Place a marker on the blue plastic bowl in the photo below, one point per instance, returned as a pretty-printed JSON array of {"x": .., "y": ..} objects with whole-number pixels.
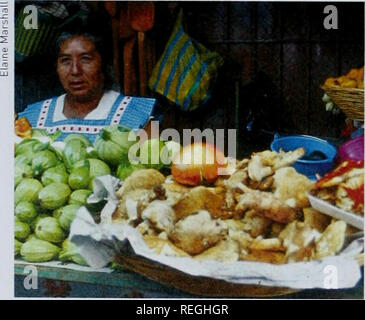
[{"x": 311, "y": 144}]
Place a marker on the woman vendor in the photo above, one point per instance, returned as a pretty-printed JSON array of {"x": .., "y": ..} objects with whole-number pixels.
[{"x": 88, "y": 104}]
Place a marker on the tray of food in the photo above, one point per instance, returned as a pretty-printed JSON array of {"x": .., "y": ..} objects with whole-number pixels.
[{"x": 249, "y": 232}]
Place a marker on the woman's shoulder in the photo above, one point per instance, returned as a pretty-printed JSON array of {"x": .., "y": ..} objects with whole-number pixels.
[
  {"x": 39, "y": 104},
  {"x": 128, "y": 104},
  {"x": 33, "y": 110},
  {"x": 114, "y": 93}
]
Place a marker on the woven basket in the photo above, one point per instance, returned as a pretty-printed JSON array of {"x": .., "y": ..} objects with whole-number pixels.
[
  {"x": 349, "y": 100},
  {"x": 196, "y": 285},
  {"x": 202, "y": 286}
]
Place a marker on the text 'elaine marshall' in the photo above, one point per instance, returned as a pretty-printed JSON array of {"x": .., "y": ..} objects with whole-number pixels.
[{"x": 4, "y": 38}]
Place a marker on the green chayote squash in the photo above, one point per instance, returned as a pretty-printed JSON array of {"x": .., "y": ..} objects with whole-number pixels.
[
  {"x": 43, "y": 135},
  {"x": 113, "y": 143},
  {"x": 27, "y": 190},
  {"x": 75, "y": 150},
  {"x": 43, "y": 160},
  {"x": 17, "y": 247},
  {"x": 54, "y": 195},
  {"x": 79, "y": 178},
  {"x": 57, "y": 147},
  {"x": 36, "y": 250},
  {"x": 97, "y": 168},
  {"x": 33, "y": 224},
  {"x": 91, "y": 153},
  {"x": 125, "y": 169},
  {"x": 55, "y": 174},
  {"x": 56, "y": 213},
  {"x": 70, "y": 252},
  {"x": 78, "y": 136},
  {"x": 22, "y": 171},
  {"x": 49, "y": 229},
  {"x": 25, "y": 211},
  {"x": 23, "y": 159},
  {"x": 150, "y": 153},
  {"x": 31, "y": 236},
  {"x": 27, "y": 146},
  {"x": 21, "y": 230},
  {"x": 67, "y": 215},
  {"x": 79, "y": 197}
]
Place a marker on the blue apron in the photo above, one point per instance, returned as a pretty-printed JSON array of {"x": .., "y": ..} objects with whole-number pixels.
[{"x": 128, "y": 111}]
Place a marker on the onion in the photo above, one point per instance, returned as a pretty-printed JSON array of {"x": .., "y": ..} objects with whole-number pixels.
[{"x": 196, "y": 163}]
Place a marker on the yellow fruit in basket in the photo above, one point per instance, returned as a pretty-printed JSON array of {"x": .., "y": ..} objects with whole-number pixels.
[
  {"x": 352, "y": 74},
  {"x": 360, "y": 75},
  {"x": 360, "y": 84},
  {"x": 330, "y": 82},
  {"x": 341, "y": 79},
  {"x": 349, "y": 83}
]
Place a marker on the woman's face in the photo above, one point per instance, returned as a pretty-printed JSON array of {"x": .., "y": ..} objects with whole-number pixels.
[{"x": 79, "y": 68}]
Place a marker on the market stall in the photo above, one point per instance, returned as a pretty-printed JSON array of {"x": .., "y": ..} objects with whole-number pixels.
[
  {"x": 123, "y": 206},
  {"x": 256, "y": 218}
]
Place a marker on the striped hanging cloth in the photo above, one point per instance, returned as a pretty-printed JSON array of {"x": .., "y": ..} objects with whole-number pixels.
[
  {"x": 51, "y": 18},
  {"x": 29, "y": 42},
  {"x": 186, "y": 70}
]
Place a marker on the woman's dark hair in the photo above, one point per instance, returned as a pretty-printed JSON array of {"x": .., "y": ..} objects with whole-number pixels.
[{"x": 101, "y": 48}]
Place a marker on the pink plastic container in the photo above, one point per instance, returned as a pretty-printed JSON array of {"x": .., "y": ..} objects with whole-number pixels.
[{"x": 352, "y": 149}]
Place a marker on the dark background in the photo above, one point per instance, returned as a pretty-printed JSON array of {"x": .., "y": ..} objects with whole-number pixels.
[{"x": 276, "y": 54}]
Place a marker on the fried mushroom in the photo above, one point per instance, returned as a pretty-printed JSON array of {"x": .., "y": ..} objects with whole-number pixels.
[
  {"x": 141, "y": 179},
  {"x": 197, "y": 232}
]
